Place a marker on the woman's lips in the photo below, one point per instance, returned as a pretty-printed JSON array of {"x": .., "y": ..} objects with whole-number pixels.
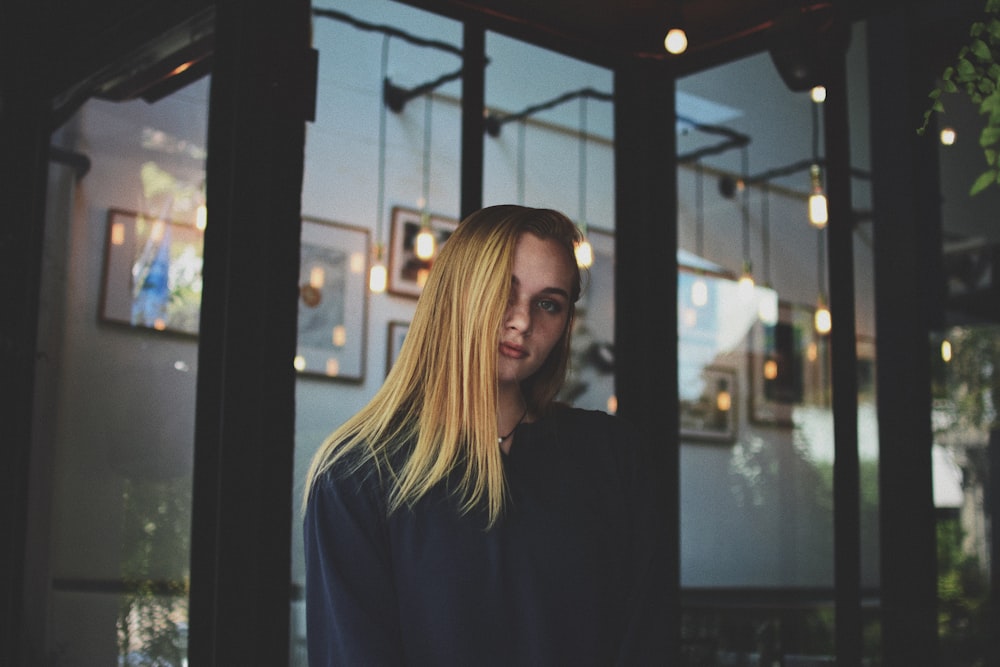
[{"x": 513, "y": 351}]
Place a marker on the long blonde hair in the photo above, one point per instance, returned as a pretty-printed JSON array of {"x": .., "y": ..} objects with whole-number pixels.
[{"x": 441, "y": 394}]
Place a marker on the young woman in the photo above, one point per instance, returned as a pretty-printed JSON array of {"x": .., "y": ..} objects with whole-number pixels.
[{"x": 465, "y": 518}]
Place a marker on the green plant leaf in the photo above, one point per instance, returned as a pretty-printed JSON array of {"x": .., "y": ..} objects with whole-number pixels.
[
  {"x": 991, "y": 156},
  {"x": 994, "y": 29},
  {"x": 989, "y": 136},
  {"x": 981, "y": 51},
  {"x": 984, "y": 181},
  {"x": 948, "y": 86}
]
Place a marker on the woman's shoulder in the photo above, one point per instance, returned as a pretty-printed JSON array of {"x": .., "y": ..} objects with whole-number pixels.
[
  {"x": 593, "y": 422},
  {"x": 355, "y": 473},
  {"x": 596, "y": 432}
]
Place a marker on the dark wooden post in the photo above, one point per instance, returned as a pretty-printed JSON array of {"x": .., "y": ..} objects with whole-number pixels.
[
  {"x": 263, "y": 88},
  {"x": 646, "y": 286},
  {"x": 907, "y": 245}
]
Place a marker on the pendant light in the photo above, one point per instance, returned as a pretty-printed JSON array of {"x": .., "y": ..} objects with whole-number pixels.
[
  {"x": 424, "y": 245},
  {"x": 521, "y": 130},
  {"x": 818, "y": 214},
  {"x": 584, "y": 251},
  {"x": 767, "y": 297},
  {"x": 675, "y": 41},
  {"x": 746, "y": 275},
  {"x": 699, "y": 288},
  {"x": 378, "y": 276},
  {"x": 822, "y": 319}
]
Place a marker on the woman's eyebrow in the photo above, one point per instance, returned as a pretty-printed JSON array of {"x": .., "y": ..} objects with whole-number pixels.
[{"x": 547, "y": 290}]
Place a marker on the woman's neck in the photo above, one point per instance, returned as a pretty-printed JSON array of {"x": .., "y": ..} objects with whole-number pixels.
[{"x": 512, "y": 409}]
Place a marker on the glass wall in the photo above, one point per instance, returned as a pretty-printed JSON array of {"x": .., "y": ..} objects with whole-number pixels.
[
  {"x": 757, "y": 548},
  {"x": 114, "y": 429}
]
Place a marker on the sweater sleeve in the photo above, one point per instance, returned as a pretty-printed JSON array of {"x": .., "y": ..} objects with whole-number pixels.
[{"x": 351, "y": 609}]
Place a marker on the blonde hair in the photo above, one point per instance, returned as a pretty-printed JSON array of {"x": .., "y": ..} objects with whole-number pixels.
[{"x": 440, "y": 398}]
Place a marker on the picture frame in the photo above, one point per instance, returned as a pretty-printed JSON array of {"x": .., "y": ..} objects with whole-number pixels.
[
  {"x": 709, "y": 413},
  {"x": 333, "y": 300},
  {"x": 789, "y": 366},
  {"x": 394, "y": 342},
  {"x": 152, "y": 275},
  {"x": 407, "y": 272}
]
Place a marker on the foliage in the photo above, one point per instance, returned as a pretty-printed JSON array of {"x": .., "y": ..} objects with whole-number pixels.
[
  {"x": 976, "y": 73},
  {"x": 963, "y": 600}
]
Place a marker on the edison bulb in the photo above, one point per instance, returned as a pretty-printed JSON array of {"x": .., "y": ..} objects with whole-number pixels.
[
  {"x": 377, "y": 278},
  {"x": 424, "y": 245},
  {"x": 822, "y": 320},
  {"x": 676, "y": 41},
  {"x": 584, "y": 254}
]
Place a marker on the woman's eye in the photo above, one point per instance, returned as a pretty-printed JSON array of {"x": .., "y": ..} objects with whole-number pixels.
[{"x": 550, "y": 306}]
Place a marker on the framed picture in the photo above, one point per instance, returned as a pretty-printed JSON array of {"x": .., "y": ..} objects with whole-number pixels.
[
  {"x": 397, "y": 334},
  {"x": 152, "y": 273},
  {"x": 708, "y": 409},
  {"x": 788, "y": 366},
  {"x": 333, "y": 300},
  {"x": 407, "y": 272}
]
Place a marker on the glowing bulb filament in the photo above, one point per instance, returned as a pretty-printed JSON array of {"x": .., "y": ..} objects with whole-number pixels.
[
  {"x": 818, "y": 214},
  {"x": 377, "y": 278},
  {"x": 822, "y": 319},
  {"x": 676, "y": 41},
  {"x": 424, "y": 244},
  {"x": 584, "y": 254}
]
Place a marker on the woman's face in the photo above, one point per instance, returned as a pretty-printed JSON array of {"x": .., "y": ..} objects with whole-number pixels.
[{"x": 539, "y": 306}]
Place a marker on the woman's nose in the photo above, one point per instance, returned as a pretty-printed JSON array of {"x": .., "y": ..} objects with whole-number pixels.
[{"x": 518, "y": 317}]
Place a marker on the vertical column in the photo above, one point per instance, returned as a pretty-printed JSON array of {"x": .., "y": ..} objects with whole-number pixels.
[
  {"x": 907, "y": 247},
  {"x": 24, "y": 142},
  {"x": 646, "y": 288},
  {"x": 843, "y": 344},
  {"x": 263, "y": 84},
  {"x": 473, "y": 121}
]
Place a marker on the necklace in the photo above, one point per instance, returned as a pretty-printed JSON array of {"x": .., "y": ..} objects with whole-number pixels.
[{"x": 524, "y": 414}]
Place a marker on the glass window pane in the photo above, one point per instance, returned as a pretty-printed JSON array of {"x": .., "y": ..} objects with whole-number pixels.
[
  {"x": 121, "y": 292},
  {"x": 757, "y": 423}
]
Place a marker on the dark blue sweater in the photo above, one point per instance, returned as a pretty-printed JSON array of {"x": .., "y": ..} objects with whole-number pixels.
[{"x": 570, "y": 575}]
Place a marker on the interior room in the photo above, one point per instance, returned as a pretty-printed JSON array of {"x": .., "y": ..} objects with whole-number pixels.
[{"x": 216, "y": 220}]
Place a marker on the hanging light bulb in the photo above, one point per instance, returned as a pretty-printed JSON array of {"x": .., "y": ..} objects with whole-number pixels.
[
  {"x": 821, "y": 319},
  {"x": 767, "y": 305},
  {"x": 378, "y": 277},
  {"x": 584, "y": 254},
  {"x": 699, "y": 288},
  {"x": 948, "y": 136},
  {"x": 583, "y": 250},
  {"x": 746, "y": 280},
  {"x": 424, "y": 246},
  {"x": 818, "y": 94},
  {"x": 676, "y": 41},
  {"x": 818, "y": 214},
  {"x": 767, "y": 296},
  {"x": 946, "y": 350}
]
